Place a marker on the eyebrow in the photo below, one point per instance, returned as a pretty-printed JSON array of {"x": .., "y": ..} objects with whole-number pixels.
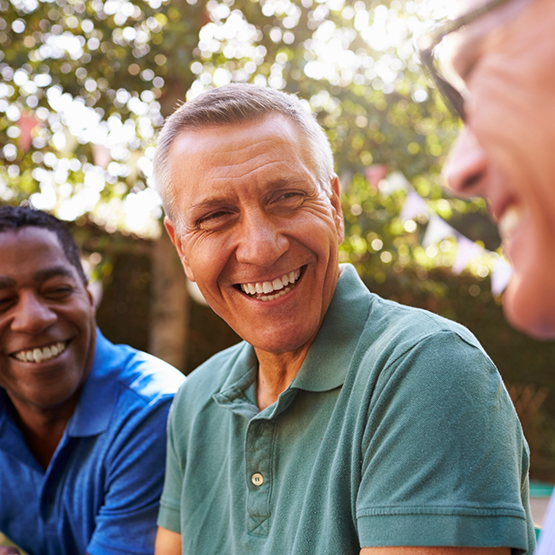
[
  {"x": 53, "y": 271},
  {"x": 39, "y": 276}
]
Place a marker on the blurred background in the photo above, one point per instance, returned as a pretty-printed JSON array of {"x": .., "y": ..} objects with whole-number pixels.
[{"x": 85, "y": 85}]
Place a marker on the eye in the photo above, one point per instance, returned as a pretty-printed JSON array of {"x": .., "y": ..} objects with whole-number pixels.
[
  {"x": 289, "y": 200},
  {"x": 215, "y": 219},
  {"x": 291, "y": 195},
  {"x": 58, "y": 292},
  {"x": 6, "y": 303}
]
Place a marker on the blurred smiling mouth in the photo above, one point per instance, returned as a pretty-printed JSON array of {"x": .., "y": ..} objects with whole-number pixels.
[
  {"x": 270, "y": 290},
  {"x": 509, "y": 221},
  {"x": 43, "y": 354}
]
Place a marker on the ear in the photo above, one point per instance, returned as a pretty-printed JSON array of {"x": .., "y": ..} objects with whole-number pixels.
[
  {"x": 176, "y": 240},
  {"x": 335, "y": 200},
  {"x": 94, "y": 299},
  {"x": 90, "y": 295}
]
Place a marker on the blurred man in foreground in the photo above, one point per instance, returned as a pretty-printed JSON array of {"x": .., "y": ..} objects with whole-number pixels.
[
  {"x": 343, "y": 424},
  {"x": 500, "y": 80},
  {"x": 82, "y": 421}
]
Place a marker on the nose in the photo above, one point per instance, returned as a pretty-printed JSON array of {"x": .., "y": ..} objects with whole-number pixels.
[
  {"x": 260, "y": 242},
  {"x": 465, "y": 170},
  {"x": 32, "y": 315}
]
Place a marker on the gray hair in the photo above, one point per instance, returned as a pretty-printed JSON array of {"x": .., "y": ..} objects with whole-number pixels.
[{"x": 233, "y": 104}]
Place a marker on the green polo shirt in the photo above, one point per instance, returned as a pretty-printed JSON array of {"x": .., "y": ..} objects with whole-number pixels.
[{"x": 397, "y": 431}]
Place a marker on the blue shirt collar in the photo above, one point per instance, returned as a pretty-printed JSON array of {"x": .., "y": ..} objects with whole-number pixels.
[{"x": 98, "y": 396}]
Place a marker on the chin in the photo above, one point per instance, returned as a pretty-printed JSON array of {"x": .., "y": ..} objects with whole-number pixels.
[{"x": 530, "y": 310}]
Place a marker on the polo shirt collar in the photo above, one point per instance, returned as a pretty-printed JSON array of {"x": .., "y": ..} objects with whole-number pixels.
[
  {"x": 243, "y": 372},
  {"x": 98, "y": 396},
  {"x": 327, "y": 361}
]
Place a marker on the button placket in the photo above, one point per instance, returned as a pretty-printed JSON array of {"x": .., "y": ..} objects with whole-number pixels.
[{"x": 258, "y": 464}]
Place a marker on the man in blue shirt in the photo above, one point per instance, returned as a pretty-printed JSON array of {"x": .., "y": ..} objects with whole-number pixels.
[{"x": 82, "y": 421}]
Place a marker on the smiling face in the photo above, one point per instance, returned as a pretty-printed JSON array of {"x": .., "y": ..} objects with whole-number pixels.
[
  {"x": 47, "y": 325},
  {"x": 505, "y": 152},
  {"x": 255, "y": 230}
]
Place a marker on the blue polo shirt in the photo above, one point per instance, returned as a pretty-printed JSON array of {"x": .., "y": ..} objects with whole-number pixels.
[
  {"x": 100, "y": 492},
  {"x": 396, "y": 431}
]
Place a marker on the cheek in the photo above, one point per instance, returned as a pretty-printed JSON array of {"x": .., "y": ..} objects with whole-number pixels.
[{"x": 205, "y": 259}]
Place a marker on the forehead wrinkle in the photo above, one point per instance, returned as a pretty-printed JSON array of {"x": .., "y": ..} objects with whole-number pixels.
[{"x": 247, "y": 173}]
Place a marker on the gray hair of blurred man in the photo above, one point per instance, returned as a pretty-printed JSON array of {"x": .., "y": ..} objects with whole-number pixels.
[{"x": 235, "y": 104}]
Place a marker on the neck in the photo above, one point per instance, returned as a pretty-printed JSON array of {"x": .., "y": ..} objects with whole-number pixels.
[
  {"x": 43, "y": 428},
  {"x": 276, "y": 372}
]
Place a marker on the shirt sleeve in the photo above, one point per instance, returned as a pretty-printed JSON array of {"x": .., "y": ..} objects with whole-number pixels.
[
  {"x": 170, "y": 502},
  {"x": 444, "y": 461},
  {"x": 126, "y": 522}
]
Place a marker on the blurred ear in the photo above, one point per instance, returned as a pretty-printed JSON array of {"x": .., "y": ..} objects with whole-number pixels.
[
  {"x": 176, "y": 240},
  {"x": 94, "y": 292},
  {"x": 90, "y": 296},
  {"x": 335, "y": 200}
]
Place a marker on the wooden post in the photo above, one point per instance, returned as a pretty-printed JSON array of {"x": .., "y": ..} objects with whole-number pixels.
[{"x": 169, "y": 307}]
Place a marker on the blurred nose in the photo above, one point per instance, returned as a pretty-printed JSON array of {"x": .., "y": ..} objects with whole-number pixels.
[
  {"x": 32, "y": 315},
  {"x": 260, "y": 242},
  {"x": 466, "y": 166}
]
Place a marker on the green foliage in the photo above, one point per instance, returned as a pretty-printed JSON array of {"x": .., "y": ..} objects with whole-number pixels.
[{"x": 88, "y": 75}]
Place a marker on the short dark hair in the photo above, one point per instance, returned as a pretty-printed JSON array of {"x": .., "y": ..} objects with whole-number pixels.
[{"x": 13, "y": 218}]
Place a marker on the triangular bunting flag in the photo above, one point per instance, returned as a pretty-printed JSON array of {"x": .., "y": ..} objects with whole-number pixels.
[
  {"x": 467, "y": 251},
  {"x": 500, "y": 276},
  {"x": 414, "y": 206},
  {"x": 374, "y": 174},
  {"x": 436, "y": 231}
]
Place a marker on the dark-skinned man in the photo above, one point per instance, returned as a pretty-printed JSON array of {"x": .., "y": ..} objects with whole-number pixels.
[{"x": 82, "y": 421}]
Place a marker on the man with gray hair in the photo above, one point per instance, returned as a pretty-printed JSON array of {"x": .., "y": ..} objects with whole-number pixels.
[{"x": 343, "y": 423}]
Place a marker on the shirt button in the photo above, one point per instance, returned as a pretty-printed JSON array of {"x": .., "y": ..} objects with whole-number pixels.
[{"x": 257, "y": 479}]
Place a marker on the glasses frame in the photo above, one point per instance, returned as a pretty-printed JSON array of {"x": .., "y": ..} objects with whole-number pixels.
[{"x": 426, "y": 43}]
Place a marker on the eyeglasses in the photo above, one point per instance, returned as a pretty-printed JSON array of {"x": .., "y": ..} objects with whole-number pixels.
[{"x": 426, "y": 43}]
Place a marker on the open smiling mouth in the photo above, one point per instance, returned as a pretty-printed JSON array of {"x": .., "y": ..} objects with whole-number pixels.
[
  {"x": 41, "y": 355},
  {"x": 270, "y": 290}
]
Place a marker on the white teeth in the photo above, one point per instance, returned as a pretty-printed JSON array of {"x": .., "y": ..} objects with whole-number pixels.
[
  {"x": 40, "y": 355},
  {"x": 279, "y": 286},
  {"x": 509, "y": 221}
]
